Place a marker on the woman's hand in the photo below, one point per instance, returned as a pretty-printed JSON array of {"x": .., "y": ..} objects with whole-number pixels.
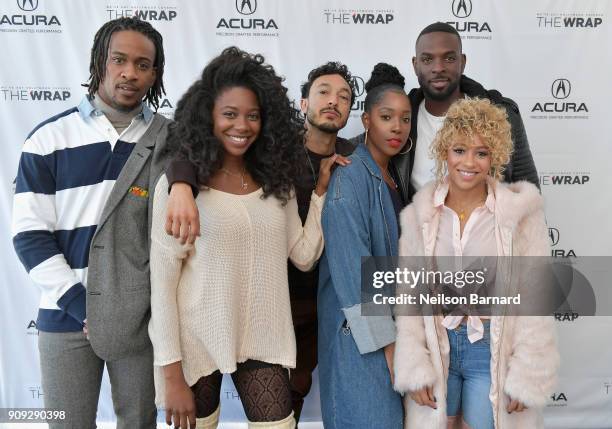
[
  {"x": 325, "y": 171},
  {"x": 182, "y": 216},
  {"x": 515, "y": 405},
  {"x": 424, "y": 396},
  {"x": 389, "y": 353},
  {"x": 179, "y": 399}
]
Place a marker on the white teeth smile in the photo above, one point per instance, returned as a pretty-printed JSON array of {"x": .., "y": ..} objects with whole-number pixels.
[
  {"x": 238, "y": 139},
  {"x": 467, "y": 173}
]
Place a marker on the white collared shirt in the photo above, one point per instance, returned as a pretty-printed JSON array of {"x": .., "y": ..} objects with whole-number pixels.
[{"x": 478, "y": 240}]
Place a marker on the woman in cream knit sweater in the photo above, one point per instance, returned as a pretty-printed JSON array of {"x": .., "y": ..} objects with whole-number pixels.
[{"x": 221, "y": 305}]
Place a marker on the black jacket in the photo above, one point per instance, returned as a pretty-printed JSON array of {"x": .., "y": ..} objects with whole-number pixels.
[{"x": 521, "y": 165}]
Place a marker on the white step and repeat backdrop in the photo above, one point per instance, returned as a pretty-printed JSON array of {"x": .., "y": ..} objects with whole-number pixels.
[{"x": 552, "y": 57}]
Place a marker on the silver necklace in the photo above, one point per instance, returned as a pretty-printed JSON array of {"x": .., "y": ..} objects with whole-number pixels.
[{"x": 392, "y": 179}]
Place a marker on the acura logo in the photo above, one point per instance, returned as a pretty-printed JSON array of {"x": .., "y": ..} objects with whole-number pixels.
[
  {"x": 27, "y": 5},
  {"x": 561, "y": 88},
  {"x": 553, "y": 233},
  {"x": 246, "y": 7},
  {"x": 359, "y": 86},
  {"x": 462, "y": 8}
]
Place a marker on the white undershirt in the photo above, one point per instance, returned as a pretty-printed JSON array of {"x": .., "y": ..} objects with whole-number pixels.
[{"x": 427, "y": 127}]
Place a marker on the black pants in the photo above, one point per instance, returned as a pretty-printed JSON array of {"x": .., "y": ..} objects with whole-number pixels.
[{"x": 305, "y": 324}]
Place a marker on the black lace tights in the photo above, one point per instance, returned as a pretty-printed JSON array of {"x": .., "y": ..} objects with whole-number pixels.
[{"x": 263, "y": 389}]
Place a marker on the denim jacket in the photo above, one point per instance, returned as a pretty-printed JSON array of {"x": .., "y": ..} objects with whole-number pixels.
[{"x": 358, "y": 220}]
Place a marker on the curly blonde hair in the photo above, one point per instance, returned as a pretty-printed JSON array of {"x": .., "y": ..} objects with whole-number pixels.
[{"x": 467, "y": 117}]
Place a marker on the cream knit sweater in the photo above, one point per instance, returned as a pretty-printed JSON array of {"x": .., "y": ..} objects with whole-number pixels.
[{"x": 225, "y": 299}]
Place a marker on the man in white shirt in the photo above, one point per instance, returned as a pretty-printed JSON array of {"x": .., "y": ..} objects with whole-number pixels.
[{"x": 439, "y": 63}]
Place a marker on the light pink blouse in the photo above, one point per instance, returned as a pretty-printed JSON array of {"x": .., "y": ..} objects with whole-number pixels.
[{"x": 479, "y": 239}]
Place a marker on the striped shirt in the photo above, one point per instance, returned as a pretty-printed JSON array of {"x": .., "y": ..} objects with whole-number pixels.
[{"x": 67, "y": 170}]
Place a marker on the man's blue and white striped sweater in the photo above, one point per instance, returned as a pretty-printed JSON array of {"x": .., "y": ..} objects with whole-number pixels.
[{"x": 67, "y": 170}]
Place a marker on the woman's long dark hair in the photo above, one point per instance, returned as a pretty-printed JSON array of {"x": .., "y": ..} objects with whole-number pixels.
[{"x": 275, "y": 155}]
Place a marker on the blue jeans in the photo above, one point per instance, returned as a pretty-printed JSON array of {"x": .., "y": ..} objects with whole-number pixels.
[{"x": 469, "y": 378}]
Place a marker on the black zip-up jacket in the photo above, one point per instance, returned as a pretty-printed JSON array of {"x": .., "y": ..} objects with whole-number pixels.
[{"x": 521, "y": 165}]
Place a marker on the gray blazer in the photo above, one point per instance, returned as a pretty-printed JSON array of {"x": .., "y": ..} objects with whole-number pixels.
[{"x": 118, "y": 281}]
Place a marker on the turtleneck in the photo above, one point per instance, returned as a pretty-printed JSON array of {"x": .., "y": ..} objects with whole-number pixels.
[{"x": 118, "y": 118}]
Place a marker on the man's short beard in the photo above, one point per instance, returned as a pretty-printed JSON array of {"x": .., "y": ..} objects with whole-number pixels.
[
  {"x": 439, "y": 96},
  {"x": 324, "y": 127}
]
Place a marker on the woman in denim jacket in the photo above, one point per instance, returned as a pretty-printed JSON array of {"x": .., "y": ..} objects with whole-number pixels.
[{"x": 360, "y": 219}]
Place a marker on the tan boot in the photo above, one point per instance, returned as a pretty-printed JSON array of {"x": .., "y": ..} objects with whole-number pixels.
[
  {"x": 209, "y": 422},
  {"x": 286, "y": 423}
]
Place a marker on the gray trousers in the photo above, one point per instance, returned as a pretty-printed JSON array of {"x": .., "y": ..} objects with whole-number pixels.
[{"x": 72, "y": 376}]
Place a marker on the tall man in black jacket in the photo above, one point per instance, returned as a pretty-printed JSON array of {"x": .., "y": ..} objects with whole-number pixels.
[{"x": 439, "y": 63}]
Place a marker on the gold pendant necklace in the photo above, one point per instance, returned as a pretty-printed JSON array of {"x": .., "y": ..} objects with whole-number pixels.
[
  {"x": 243, "y": 184},
  {"x": 463, "y": 212}
]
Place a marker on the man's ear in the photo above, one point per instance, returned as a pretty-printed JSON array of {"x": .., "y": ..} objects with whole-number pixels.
[
  {"x": 304, "y": 106},
  {"x": 463, "y": 60}
]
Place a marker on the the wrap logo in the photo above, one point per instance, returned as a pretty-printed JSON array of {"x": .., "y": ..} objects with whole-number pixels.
[
  {"x": 569, "y": 20},
  {"x": 561, "y": 106},
  {"x": 246, "y": 7},
  {"x": 246, "y": 22},
  {"x": 36, "y": 392},
  {"x": 564, "y": 178},
  {"x": 27, "y": 5},
  {"x": 566, "y": 317},
  {"x": 20, "y": 21},
  {"x": 462, "y": 8},
  {"x": 231, "y": 394},
  {"x": 144, "y": 13},
  {"x": 358, "y": 16},
  {"x": 20, "y": 93}
]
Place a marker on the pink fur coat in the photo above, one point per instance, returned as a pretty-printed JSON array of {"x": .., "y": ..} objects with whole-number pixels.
[{"x": 524, "y": 356}]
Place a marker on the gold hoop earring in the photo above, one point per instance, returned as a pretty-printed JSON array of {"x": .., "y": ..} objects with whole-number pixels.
[
  {"x": 365, "y": 140},
  {"x": 407, "y": 150}
]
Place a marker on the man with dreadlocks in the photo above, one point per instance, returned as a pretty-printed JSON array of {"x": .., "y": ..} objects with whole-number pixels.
[{"x": 80, "y": 216}]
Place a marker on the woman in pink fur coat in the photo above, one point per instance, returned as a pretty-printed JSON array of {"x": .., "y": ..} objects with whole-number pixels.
[{"x": 483, "y": 372}]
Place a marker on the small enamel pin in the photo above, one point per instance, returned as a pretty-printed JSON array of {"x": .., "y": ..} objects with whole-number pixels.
[{"x": 139, "y": 192}]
